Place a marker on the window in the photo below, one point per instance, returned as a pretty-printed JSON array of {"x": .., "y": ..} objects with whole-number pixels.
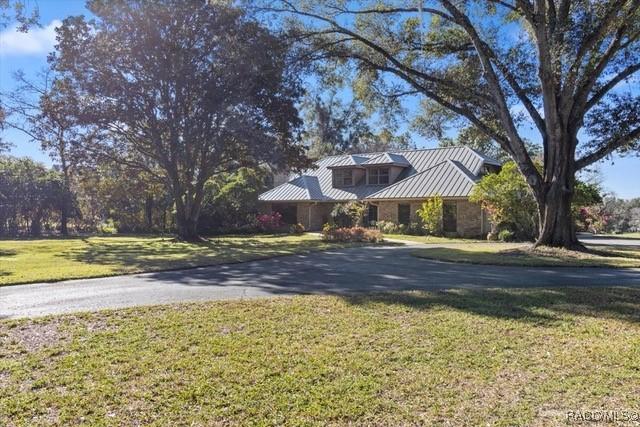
[
  {"x": 449, "y": 216},
  {"x": 379, "y": 176},
  {"x": 372, "y": 215},
  {"x": 404, "y": 214},
  {"x": 289, "y": 212},
  {"x": 342, "y": 177}
]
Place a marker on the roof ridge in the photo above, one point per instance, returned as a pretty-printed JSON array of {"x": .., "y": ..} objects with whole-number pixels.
[
  {"x": 462, "y": 168},
  {"x": 396, "y": 151},
  {"x": 407, "y": 178}
]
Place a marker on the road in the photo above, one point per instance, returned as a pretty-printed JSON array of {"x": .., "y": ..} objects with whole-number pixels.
[{"x": 361, "y": 269}]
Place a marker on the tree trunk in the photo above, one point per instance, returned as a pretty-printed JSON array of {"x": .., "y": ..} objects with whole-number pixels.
[
  {"x": 148, "y": 212},
  {"x": 557, "y": 227},
  {"x": 64, "y": 219},
  {"x": 187, "y": 218}
]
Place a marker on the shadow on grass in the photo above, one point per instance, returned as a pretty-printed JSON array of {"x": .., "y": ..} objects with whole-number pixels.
[
  {"x": 539, "y": 306},
  {"x": 171, "y": 254}
]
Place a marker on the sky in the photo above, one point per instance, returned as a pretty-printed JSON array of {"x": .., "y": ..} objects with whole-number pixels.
[{"x": 28, "y": 52}]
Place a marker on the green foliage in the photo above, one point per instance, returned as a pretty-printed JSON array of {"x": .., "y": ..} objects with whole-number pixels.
[
  {"x": 348, "y": 214},
  {"x": 31, "y": 197},
  {"x": 508, "y": 200},
  {"x": 387, "y": 227},
  {"x": 506, "y": 235},
  {"x": 430, "y": 214},
  {"x": 179, "y": 110},
  {"x": 231, "y": 201},
  {"x": 108, "y": 227}
]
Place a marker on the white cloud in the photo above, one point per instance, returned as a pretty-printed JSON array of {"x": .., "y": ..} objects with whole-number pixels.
[{"x": 36, "y": 41}]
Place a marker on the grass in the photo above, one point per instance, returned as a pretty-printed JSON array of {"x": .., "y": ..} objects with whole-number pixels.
[
  {"x": 24, "y": 261},
  {"x": 460, "y": 357},
  {"x": 634, "y": 235},
  {"x": 521, "y": 254},
  {"x": 431, "y": 239}
]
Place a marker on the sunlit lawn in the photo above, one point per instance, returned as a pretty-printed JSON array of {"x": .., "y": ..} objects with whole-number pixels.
[
  {"x": 23, "y": 261},
  {"x": 461, "y": 357},
  {"x": 521, "y": 254},
  {"x": 431, "y": 239}
]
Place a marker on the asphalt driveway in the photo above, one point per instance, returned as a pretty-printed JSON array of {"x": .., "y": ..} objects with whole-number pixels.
[{"x": 362, "y": 269}]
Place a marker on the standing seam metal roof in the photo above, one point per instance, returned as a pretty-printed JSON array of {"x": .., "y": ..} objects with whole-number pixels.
[{"x": 449, "y": 172}]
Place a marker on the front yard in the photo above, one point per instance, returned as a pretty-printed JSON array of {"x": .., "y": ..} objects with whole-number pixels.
[
  {"x": 24, "y": 261},
  {"x": 520, "y": 254},
  {"x": 458, "y": 357}
]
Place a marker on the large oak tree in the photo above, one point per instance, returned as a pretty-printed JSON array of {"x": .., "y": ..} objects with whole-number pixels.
[
  {"x": 181, "y": 89},
  {"x": 559, "y": 65}
]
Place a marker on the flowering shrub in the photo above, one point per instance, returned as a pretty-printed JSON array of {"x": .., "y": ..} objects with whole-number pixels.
[
  {"x": 269, "y": 222},
  {"x": 350, "y": 234}
]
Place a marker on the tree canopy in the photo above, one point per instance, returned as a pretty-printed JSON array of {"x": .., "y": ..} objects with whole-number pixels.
[
  {"x": 183, "y": 90},
  {"x": 557, "y": 66}
]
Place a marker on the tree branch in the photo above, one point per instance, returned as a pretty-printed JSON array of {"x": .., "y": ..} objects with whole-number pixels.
[{"x": 607, "y": 149}]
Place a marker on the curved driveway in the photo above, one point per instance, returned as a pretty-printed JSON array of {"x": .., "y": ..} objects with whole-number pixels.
[{"x": 362, "y": 269}]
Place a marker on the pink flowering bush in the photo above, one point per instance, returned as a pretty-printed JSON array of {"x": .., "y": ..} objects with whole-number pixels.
[{"x": 270, "y": 222}]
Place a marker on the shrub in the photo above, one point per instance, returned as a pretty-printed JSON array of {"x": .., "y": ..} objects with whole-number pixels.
[
  {"x": 431, "y": 215},
  {"x": 296, "y": 229},
  {"x": 415, "y": 229},
  {"x": 506, "y": 236},
  {"x": 269, "y": 222},
  {"x": 348, "y": 214},
  {"x": 350, "y": 234},
  {"x": 387, "y": 227},
  {"x": 108, "y": 227}
]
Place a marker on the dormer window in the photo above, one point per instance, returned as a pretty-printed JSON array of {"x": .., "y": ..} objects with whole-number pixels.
[
  {"x": 342, "y": 177},
  {"x": 378, "y": 176}
]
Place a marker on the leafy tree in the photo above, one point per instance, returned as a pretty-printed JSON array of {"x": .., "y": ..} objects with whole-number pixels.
[
  {"x": 30, "y": 195},
  {"x": 511, "y": 205},
  {"x": 39, "y": 110},
  {"x": 348, "y": 214},
  {"x": 333, "y": 127},
  {"x": 17, "y": 11},
  {"x": 231, "y": 201},
  {"x": 555, "y": 65},
  {"x": 430, "y": 214},
  {"x": 183, "y": 90}
]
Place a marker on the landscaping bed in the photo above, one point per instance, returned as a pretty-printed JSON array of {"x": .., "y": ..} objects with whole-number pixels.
[{"x": 459, "y": 357}]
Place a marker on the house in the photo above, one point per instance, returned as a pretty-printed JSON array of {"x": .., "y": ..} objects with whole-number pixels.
[{"x": 393, "y": 185}]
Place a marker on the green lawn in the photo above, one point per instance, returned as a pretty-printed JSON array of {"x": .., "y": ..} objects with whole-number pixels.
[
  {"x": 459, "y": 357},
  {"x": 521, "y": 254},
  {"x": 23, "y": 261},
  {"x": 621, "y": 236},
  {"x": 431, "y": 239}
]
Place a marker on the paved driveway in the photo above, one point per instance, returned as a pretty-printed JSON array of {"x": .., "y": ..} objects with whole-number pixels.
[{"x": 363, "y": 269}]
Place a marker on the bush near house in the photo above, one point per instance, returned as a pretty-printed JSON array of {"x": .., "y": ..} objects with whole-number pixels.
[
  {"x": 350, "y": 234},
  {"x": 348, "y": 214},
  {"x": 430, "y": 215}
]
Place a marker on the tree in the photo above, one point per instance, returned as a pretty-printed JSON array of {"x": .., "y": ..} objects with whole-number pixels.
[
  {"x": 17, "y": 11},
  {"x": 39, "y": 110},
  {"x": 30, "y": 194},
  {"x": 332, "y": 127},
  {"x": 184, "y": 90},
  {"x": 499, "y": 65},
  {"x": 430, "y": 214}
]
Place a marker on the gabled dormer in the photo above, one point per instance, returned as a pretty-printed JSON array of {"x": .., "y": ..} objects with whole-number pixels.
[
  {"x": 348, "y": 171},
  {"x": 384, "y": 168}
]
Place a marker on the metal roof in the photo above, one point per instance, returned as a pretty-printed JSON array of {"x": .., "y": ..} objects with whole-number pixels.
[
  {"x": 316, "y": 184},
  {"x": 387, "y": 159},
  {"x": 446, "y": 179}
]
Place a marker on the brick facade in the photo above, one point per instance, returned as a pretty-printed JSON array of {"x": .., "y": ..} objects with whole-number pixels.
[{"x": 470, "y": 220}]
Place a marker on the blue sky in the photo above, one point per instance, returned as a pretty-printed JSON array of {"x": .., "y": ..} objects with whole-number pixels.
[{"x": 28, "y": 52}]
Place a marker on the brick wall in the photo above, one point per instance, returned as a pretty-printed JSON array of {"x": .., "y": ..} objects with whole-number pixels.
[
  {"x": 469, "y": 219},
  {"x": 388, "y": 211}
]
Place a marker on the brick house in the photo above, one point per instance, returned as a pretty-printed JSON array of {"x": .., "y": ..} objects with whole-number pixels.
[{"x": 392, "y": 184}]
